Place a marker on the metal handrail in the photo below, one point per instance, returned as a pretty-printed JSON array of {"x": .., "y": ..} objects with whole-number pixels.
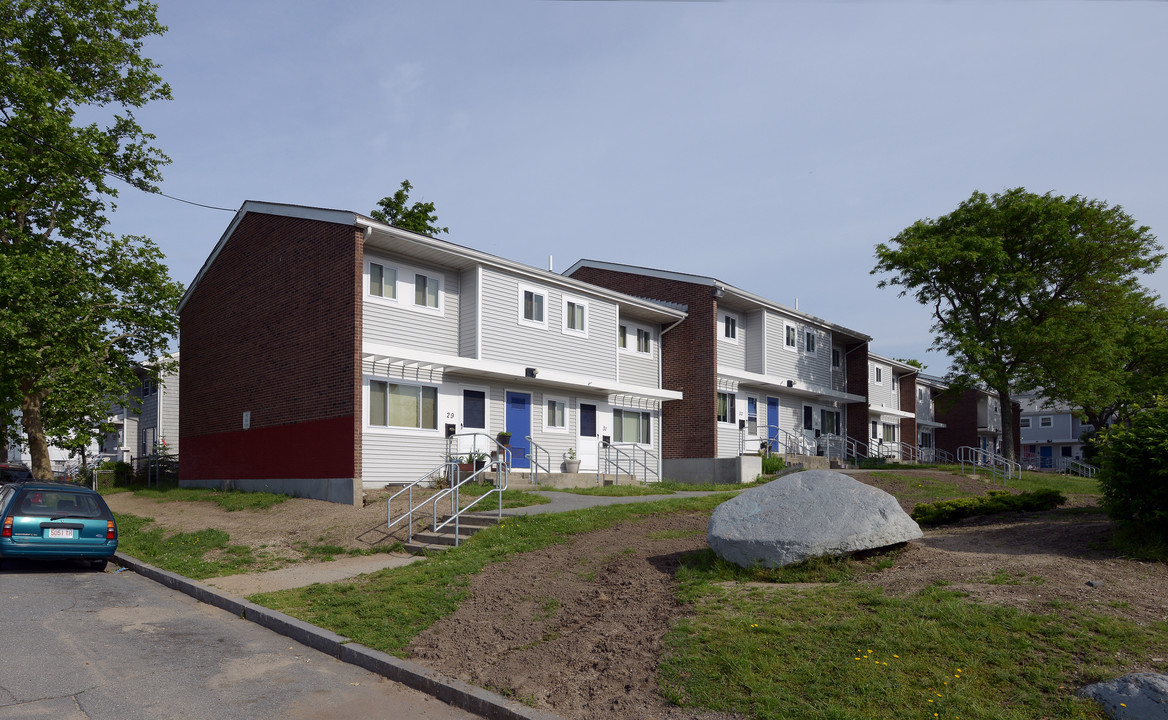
[
  {"x": 536, "y": 449},
  {"x": 856, "y": 449},
  {"x": 501, "y": 464},
  {"x": 997, "y": 464},
  {"x": 787, "y": 442},
  {"x": 633, "y": 461},
  {"x": 1077, "y": 467}
]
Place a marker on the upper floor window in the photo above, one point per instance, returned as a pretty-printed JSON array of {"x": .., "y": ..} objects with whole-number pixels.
[
  {"x": 407, "y": 406},
  {"x": 426, "y": 291},
  {"x": 1046, "y": 421},
  {"x": 790, "y": 337},
  {"x": 809, "y": 341},
  {"x": 631, "y": 426},
  {"x": 879, "y": 375},
  {"x": 729, "y": 327},
  {"x": 382, "y": 281},
  {"x": 895, "y": 382},
  {"x": 575, "y": 316},
  {"x": 631, "y": 337},
  {"x": 532, "y": 306},
  {"x": 837, "y": 358},
  {"x": 1024, "y": 422}
]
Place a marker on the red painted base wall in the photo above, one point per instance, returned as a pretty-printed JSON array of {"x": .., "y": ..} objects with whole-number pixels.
[{"x": 316, "y": 449}]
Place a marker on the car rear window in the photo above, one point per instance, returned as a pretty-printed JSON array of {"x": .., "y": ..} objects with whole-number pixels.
[{"x": 58, "y": 503}]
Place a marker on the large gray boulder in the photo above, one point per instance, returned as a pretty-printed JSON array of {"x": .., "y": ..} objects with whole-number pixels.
[
  {"x": 804, "y": 515},
  {"x": 1138, "y": 696}
]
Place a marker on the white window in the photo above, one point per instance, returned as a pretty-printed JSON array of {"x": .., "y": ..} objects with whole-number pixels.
[
  {"x": 751, "y": 416},
  {"x": 426, "y": 291},
  {"x": 408, "y": 406},
  {"x": 575, "y": 316},
  {"x": 631, "y": 426},
  {"x": 382, "y": 281},
  {"x": 555, "y": 414},
  {"x": 1024, "y": 423},
  {"x": 879, "y": 375},
  {"x": 729, "y": 327},
  {"x": 532, "y": 306},
  {"x": 790, "y": 337},
  {"x": 890, "y": 432},
  {"x": 895, "y": 383},
  {"x": 1046, "y": 421},
  {"x": 725, "y": 409},
  {"x": 809, "y": 341},
  {"x": 634, "y": 339}
]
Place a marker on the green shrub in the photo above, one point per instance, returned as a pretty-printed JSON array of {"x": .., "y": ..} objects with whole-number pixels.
[
  {"x": 1134, "y": 476},
  {"x": 996, "y": 501},
  {"x": 772, "y": 464}
]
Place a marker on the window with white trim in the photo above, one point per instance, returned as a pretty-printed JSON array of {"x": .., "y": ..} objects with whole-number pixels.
[
  {"x": 790, "y": 337},
  {"x": 555, "y": 418},
  {"x": 729, "y": 324},
  {"x": 382, "y": 281},
  {"x": 1024, "y": 423},
  {"x": 751, "y": 416},
  {"x": 879, "y": 375},
  {"x": 631, "y": 426},
  {"x": 837, "y": 358},
  {"x": 809, "y": 341},
  {"x": 532, "y": 306},
  {"x": 404, "y": 406},
  {"x": 634, "y": 339},
  {"x": 875, "y": 429},
  {"x": 427, "y": 290},
  {"x": 890, "y": 430},
  {"x": 1046, "y": 421},
  {"x": 725, "y": 408},
  {"x": 575, "y": 316}
]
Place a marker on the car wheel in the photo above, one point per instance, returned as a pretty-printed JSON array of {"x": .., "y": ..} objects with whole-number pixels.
[{"x": 99, "y": 565}]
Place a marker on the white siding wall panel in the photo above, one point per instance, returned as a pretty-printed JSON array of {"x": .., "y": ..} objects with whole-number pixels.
[
  {"x": 732, "y": 354},
  {"x": 797, "y": 364},
  {"x": 639, "y": 368},
  {"x": 755, "y": 341},
  {"x": 468, "y": 314},
  {"x": 168, "y": 427},
  {"x": 401, "y": 324},
  {"x": 504, "y": 338}
]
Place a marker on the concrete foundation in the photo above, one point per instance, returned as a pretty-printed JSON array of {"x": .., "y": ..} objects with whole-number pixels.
[
  {"x": 346, "y": 491},
  {"x": 718, "y": 471}
]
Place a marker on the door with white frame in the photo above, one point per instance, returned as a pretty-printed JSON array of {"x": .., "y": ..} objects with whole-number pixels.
[
  {"x": 474, "y": 420},
  {"x": 588, "y": 436}
]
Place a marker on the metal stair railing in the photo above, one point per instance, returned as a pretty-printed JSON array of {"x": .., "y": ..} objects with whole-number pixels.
[
  {"x": 788, "y": 443},
  {"x": 1071, "y": 466},
  {"x": 934, "y": 456},
  {"x": 536, "y": 465},
  {"x": 855, "y": 449},
  {"x": 833, "y": 446},
  {"x": 500, "y": 463},
  {"x": 629, "y": 453},
  {"x": 997, "y": 464}
]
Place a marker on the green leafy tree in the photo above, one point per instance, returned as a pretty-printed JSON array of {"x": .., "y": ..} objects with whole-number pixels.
[
  {"x": 1134, "y": 476},
  {"x": 419, "y": 217},
  {"x": 1016, "y": 279},
  {"x": 76, "y": 304}
]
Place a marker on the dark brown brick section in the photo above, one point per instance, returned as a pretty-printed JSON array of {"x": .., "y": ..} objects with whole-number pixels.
[
  {"x": 959, "y": 413},
  {"x": 856, "y": 372},
  {"x": 908, "y": 403},
  {"x": 689, "y": 358},
  {"x": 273, "y": 327}
]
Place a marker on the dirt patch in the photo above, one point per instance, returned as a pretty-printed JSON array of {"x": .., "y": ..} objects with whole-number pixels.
[{"x": 577, "y": 628}]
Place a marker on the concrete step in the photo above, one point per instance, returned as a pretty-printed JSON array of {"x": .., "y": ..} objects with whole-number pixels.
[{"x": 445, "y": 538}]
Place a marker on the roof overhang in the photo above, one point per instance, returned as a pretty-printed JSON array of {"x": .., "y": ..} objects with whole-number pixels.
[
  {"x": 796, "y": 388},
  {"x": 873, "y": 410},
  {"x": 430, "y": 362}
]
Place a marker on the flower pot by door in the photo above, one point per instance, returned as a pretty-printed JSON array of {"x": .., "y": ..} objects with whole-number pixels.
[{"x": 571, "y": 466}]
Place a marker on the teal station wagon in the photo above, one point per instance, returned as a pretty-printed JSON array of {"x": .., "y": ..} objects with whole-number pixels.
[{"x": 55, "y": 521}]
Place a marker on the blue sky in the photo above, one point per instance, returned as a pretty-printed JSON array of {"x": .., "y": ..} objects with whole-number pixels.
[{"x": 769, "y": 144}]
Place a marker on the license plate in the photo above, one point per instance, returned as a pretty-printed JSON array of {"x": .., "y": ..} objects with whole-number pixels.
[{"x": 60, "y": 533}]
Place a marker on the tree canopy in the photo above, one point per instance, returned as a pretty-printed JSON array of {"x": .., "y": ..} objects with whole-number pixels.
[
  {"x": 78, "y": 307},
  {"x": 1023, "y": 288},
  {"x": 419, "y": 217}
]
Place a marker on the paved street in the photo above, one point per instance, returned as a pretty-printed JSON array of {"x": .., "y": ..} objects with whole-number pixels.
[{"x": 81, "y": 644}]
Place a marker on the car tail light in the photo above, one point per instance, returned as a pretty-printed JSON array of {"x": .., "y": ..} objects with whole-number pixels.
[
  {"x": 110, "y": 534},
  {"x": 7, "y": 530}
]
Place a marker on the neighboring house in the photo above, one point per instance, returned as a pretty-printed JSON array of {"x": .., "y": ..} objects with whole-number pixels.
[
  {"x": 62, "y": 461},
  {"x": 752, "y": 372},
  {"x": 892, "y": 410},
  {"x": 1050, "y": 431},
  {"x": 324, "y": 352},
  {"x": 149, "y": 418},
  {"x": 928, "y": 388},
  {"x": 972, "y": 419}
]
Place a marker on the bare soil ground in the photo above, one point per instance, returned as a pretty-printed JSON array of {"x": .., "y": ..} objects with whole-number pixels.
[{"x": 577, "y": 628}]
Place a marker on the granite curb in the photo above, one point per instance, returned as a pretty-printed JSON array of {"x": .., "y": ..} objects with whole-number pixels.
[{"x": 447, "y": 689}]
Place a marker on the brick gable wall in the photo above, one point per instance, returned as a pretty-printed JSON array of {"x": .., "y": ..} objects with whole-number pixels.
[
  {"x": 856, "y": 370},
  {"x": 689, "y": 359},
  {"x": 274, "y": 328}
]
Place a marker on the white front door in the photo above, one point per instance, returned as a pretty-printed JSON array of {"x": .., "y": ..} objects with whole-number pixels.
[{"x": 588, "y": 440}]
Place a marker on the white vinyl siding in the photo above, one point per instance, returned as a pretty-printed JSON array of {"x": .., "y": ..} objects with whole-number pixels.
[
  {"x": 812, "y": 368},
  {"x": 731, "y": 351},
  {"x": 401, "y": 323},
  {"x": 505, "y": 339},
  {"x": 468, "y": 315},
  {"x": 754, "y": 341}
]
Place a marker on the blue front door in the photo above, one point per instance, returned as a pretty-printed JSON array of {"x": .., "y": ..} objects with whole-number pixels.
[
  {"x": 773, "y": 422},
  {"x": 519, "y": 425},
  {"x": 1045, "y": 456}
]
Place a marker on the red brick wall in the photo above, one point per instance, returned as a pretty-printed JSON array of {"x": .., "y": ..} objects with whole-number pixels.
[
  {"x": 959, "y": 413},
  {"x": 689, "y": 359},
  {"x": 274, "y": 328},
  {"x": 908, "y": 403},
  {"x": 856, "y": 371}
]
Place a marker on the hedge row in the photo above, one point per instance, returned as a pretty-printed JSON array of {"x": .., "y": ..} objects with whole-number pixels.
[{"x": 996, "y": 501}]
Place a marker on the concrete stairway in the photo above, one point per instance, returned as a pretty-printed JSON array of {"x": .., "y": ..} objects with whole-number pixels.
[{"x": 444, "y": 538}]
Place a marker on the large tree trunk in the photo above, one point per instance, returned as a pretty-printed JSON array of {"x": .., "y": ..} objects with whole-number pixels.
[
  {"x": 34, "y": 430},
  {"x": 1006, "y": 411}
]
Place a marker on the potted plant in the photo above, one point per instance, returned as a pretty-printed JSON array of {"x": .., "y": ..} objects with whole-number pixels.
[
  {"x": 504, "y": 438},
  {"x": 478, "y": 460},
  {"x": 571, "y": 462}
]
